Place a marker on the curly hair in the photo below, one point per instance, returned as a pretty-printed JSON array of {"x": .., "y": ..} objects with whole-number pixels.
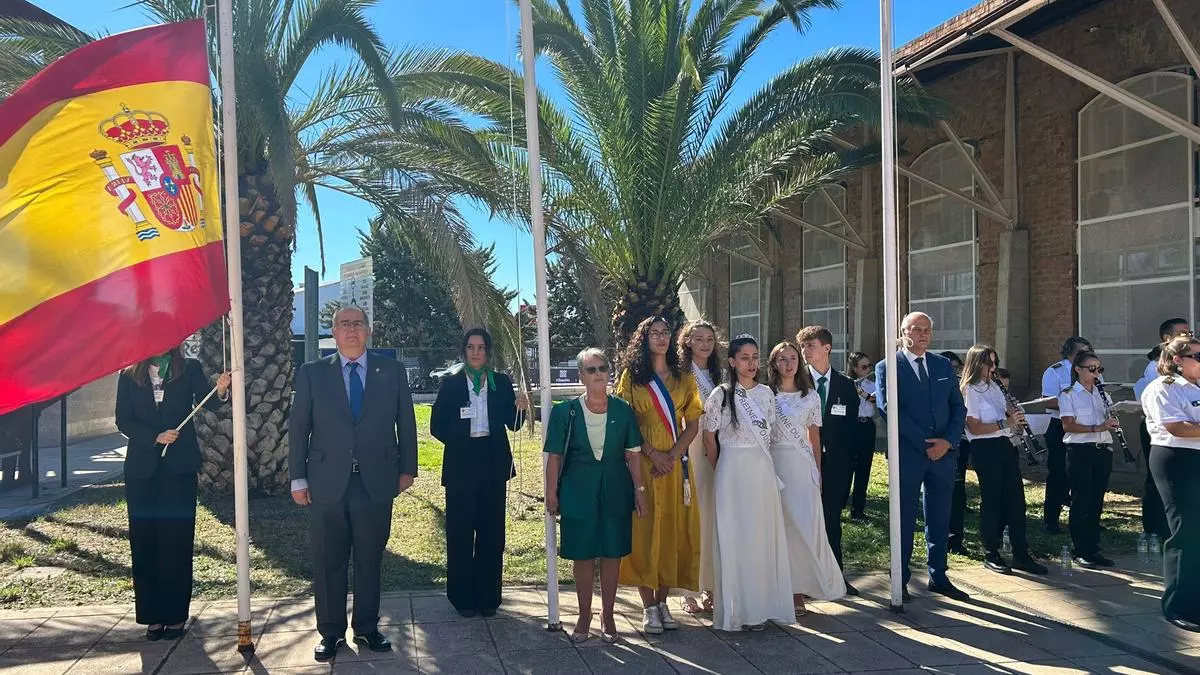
[
  {"x": 685, "y": 350},
  {"x": 637, "y": 360}
]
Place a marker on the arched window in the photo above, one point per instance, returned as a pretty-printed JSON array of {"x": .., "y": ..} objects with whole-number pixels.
[
  {"x": 824, "y": 264},
  {"x": 941, "y": 249},
  {"x": 1135, "y": 222},
  {"x": 745, "y": 290}
]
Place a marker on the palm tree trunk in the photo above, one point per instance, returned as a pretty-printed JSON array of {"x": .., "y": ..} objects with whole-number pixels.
[
  {"x": 642, "y": 300},
  {"x": 267, "y": 318}
]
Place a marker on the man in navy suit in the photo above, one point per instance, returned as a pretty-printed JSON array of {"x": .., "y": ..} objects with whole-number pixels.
[{"x": 931, "y": 417}]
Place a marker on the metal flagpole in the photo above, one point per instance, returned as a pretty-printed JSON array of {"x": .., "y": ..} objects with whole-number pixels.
[
  {"x": 233, "y": 251},
  {"x": 891, "y": 296},
  {"x": 539, "y": 262}
]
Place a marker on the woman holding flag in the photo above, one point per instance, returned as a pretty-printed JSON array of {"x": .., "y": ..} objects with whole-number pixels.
[{"x": 666, "y": 541}]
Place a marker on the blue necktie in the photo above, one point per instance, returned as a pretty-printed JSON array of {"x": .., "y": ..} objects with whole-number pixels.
[
  {"x": 924, "y": 376},
  {"x": 356, "y": 391}
]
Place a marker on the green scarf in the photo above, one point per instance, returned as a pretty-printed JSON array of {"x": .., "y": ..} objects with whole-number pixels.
[
  {"x": 476, "y": 377},
  {"x": 164, "y": 366}
]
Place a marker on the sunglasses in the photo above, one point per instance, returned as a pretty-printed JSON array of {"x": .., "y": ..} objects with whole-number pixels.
[
  {"x": 1190, "y": 356},
  {"x": 1095, "y": 369},
  {"x": 592, "y": 370}
]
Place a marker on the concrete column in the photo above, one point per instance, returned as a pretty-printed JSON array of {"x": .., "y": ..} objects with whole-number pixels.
[{"x": 1012, "y": 306}]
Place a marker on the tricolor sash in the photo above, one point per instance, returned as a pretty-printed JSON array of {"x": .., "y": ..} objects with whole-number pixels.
[
  {"x": 785, "y": 412},
  {"x": 754, "y": 414},
  {"x": 664, "y": 406}
]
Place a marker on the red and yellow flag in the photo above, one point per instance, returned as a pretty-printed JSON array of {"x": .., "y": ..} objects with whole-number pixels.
[{"x": 111, "y": 245}]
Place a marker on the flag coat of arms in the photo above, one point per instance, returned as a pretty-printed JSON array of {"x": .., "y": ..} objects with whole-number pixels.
[{"x": 111, "y": 242}]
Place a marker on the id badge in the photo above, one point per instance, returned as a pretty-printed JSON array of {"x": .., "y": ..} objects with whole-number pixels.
[
  {"x": 466, "y": 413},
  {"x": 158, "y": 395},
  {"x": 838, "y": 409}
]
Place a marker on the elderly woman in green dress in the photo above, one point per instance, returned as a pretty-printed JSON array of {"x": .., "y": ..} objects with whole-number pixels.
[{"x": 594, "y": 482}]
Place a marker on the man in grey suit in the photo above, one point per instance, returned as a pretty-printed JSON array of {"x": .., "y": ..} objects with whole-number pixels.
[{"x": 353, "y": 448}]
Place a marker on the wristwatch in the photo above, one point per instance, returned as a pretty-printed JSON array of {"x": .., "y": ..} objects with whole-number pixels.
[{"x": 641, "y": 488}]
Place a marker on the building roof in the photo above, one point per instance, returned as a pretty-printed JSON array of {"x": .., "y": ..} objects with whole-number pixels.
[{"x": 21, "y": 9}]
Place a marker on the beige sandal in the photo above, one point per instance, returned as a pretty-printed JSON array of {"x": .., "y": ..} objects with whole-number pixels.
[
  {"x": 692, "y": 606},
  {"x": 706, "y": 598}
]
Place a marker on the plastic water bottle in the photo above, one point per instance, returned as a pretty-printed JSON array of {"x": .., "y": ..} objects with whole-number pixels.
[
  {"x": 1154, "y": 549},
  {"x": 1006, "y": 545},
  {"x": 1142, "y": 549},
  {"x": 1066, "y": 561}
]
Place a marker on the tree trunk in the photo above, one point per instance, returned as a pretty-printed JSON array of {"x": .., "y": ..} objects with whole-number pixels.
[
  {"x": 267, "y": 318},
  {"x": 642, "y": 300}
]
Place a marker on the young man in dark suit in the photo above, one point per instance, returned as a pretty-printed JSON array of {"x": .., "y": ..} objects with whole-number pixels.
[
  {"x": 931, "y": 418},
  {"x": 839, "y": 431},
  {"x": 352, "y": 450}
]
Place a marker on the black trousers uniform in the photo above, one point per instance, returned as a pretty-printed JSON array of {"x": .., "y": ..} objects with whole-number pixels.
[
  {"x": 1154, "y": 515},
  {"x": 1090, "y": 467},
  {"x": 354, "y": 524},
  {"x": 162, "y": 528},
  {"x": 1059, "y": 486},
  {"x": 1177, "y": 474},
  {"x": 958, "y": 500},
  {"x": 864, "y": 456},
  {"x": 837, "y": 471},
  {"x": 1001, "y": 494},
  {"x": 475, "y": 540}
]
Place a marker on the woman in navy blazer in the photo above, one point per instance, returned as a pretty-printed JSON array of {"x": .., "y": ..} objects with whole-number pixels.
[
  {"x": 471, "y": 417},
  {"x": 153, "y": 397}
]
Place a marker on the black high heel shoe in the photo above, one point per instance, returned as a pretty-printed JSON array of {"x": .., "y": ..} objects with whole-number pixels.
[{"x": 154, "y": 634}]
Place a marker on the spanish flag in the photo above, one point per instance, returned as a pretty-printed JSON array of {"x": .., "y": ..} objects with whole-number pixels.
[{"x": 111, "y": 247}]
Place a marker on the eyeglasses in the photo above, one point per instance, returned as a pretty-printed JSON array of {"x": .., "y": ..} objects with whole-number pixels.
[
  {"x": 660, "y": 335},
  {"x": 356, "y": 325},
  {"x": 592, "y": 370},
  {"x": 1190, "y": 356},
  {"x": 1095, "y": 369},
  {"x": 863, "y": 365}
]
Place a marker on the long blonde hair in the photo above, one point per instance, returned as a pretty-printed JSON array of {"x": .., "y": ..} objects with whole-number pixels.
[
  {"x": 1176, "y": 346},
  {"x": 976, "y": 367}
]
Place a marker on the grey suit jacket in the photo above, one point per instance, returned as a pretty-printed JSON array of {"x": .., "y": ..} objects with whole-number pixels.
[{"x": 323, "y": 439}]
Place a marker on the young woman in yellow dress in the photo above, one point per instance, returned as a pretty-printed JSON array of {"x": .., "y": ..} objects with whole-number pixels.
[{"x": 666, "y": 541}]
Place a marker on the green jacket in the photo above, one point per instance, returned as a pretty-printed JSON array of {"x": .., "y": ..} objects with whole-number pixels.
[{"x": 589, "y": 489}]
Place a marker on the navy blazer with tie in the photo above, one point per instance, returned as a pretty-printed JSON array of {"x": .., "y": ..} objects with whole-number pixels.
[{"x": 935, "y": 410}]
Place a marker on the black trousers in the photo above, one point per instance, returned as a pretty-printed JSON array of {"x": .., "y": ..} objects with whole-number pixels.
[
  {"x": 1090, "y": 467},
  {"x": 958, "y": 500},
  {"x": 475, "y": 521},
  {"x": 1177, "y": 473},
  {"x": 1058, "y": 484},
  {"x": 354, "y": 525},
  {"x": 864, "y": 456},
  {"x": 1001, "y": 494},
  {"x": 1154, "y": 515},
  {"x": 837, "y": 471},
  {"x": 162, "y": 528}
]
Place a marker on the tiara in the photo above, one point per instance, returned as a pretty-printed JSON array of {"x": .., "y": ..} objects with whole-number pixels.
[{"x": 744, "y": 336}]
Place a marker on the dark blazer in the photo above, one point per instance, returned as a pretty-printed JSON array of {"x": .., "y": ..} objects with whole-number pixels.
[
  {"x": 142, "y": 420},
  {"x": 938, "y": 413},
  {"x": 589, "y": 489},
  {"x": 324, "y": 440},
  {"x": 460, "y": 467},
  {"x": 839, "y": 434}
]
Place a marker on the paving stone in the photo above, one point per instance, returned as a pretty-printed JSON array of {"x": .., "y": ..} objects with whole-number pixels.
[
  {"x": 543, "y": 662},
  {"x": 394, "y": 611},
  {"x": 221, "y": 619},
  {"x": 853, "y": 651},
  {"x": 1120, "y": 663},
  {"x": 783, "y": 655},
  {"x": 122, "y": 659},
  {"x": 771, "y": 630},
  {"x": 992, "y": 645},
  {"x": 816, "y": 622},
  {"x": 40, "y": 660},
  {"x": 453, "y": 637},
  {"x": 528, "y": 603},
  {"x": 314, "y": 669},
  {"x": 685, "y": 633},
  {"x": 1055, "y": 603},
  {"x": 434, "y": 608},
  {"x": 1065, "y": 643},
  {"x": 922, "y": 648},
  {"x": 1155, "y": 623},
  {"x": 1059, "y": 667},
  {"x": 12, "y": 631},
  {"x": 72, "y": 630},
  {"x": 480, "y": 663},
  {"x": 624, "y": 658},
  {"x": 399, "y": 666},
  {"x": 1186, "y": 657},
  {"x": 126, "y": 630},
  {"x": 865, "y": 615},
  {"x": 92, "y": 610},
  {"x": 704, "y": 656},
  {"x": 286, "y": 649},
  {"x": 404, "y": 646},
  {"x": 1117, "y": 629},
  {"x": 512, "y": 635},
  {"x": 26, "y": 614},
  {"x": 291, "y": 616},
  {"x": 207, "y": 655}
]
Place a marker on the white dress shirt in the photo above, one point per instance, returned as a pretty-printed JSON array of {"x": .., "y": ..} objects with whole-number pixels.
[
  {"x": 1178, "y": 401},
  {"x": 912, "y": 361},
  {"x": 866, "y": 409},
  {"x": 479, "y": 409},
  {"x": 812, "y": 372},
  {"x": 985, "y": 403},
  {"x": 1088, "y": 410}
]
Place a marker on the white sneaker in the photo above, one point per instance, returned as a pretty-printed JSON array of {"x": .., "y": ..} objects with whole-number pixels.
[
  {"x": 668, "y": 621},
  {"x": 652, "y": 621}
]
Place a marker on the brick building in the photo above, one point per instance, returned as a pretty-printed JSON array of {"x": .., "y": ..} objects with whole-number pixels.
[{"x": 1041, "y": 208}]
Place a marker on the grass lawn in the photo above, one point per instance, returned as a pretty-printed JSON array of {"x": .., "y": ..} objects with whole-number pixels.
[{"x": 83, "y": 541}]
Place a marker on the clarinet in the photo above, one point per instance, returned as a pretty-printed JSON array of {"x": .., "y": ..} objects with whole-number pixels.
[
  {"x": 1028, "y": 440},
  {"x": 1108, "y": 413}
]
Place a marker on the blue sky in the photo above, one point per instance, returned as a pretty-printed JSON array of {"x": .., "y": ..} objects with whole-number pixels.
[{"x": 488, "y": 28}]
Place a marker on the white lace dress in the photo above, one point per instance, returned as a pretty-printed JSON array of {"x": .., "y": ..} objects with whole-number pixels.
[
  {"x": 702, "y": 470},
  {"x": 752, "y": 579},
  {"x": 814, "y": 569}
]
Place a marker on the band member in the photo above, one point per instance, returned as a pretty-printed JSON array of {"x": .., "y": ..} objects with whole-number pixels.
[
  {"x": 1172, "y": 406},
  {"x": 1154, "y": 517},
  {"x": 860, "y": 366},
  {"x": 750, "y": 559},
  {"x": 698, "y": 353},
  {"x": 1086, "y": 426},
  {"x": 990, "y": 425},
  {"x": 958, "y": 502},
  {"x": 839, "y": 431},
  {"x": 1058, "y": 485},
  {"x": 931, "y": 411}
]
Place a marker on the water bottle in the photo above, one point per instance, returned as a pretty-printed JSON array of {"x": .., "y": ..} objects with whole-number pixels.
[
  {"x": 1006, "y": 545},
  {"x": 1154, "y": 550},
  {"x": 1066, "y": 561},
  {"x": 1142, "y": 549}
]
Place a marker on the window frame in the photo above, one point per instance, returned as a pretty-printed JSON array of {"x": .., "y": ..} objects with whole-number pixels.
[{"x": 839, "y": 350}]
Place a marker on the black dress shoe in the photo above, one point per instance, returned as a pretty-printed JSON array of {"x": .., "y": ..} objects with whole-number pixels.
[
  {"x": 995, "y": 562},
  {"x": 375, "y": 641},
  {"x": 488, "y": 613},
  {"x": 850, "y": 590},
  {"x": 1102, "y": 561},
  {"x": 466, "y": 613},
  {"x": 958, "y": 549},
  {"x": 327, "y": 648},
  {"x": 904, "y": 596},
  {"x": 1026, "y": 563},
  {"x": 1185, "y": 625},
  {"x": 173, "y": 633},
  {"x": 1092, "y": 562},
  {"x": 154, "y": 634},
  {"x": 949, "y": 590}
]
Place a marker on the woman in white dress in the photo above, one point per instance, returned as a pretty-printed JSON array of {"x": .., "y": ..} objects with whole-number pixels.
[
  {"x": 814, "y": 569},
  {"x": 698, "y": 351},
  {"x": 750, "y": 561}
]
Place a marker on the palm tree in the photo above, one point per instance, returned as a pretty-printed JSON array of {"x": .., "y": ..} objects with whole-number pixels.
[
  {"x": 648, "y": 164},
  {"x": 358, "y": 133}
]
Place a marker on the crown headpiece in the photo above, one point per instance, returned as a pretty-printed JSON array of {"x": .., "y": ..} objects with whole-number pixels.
[
  {"x": 745, "y": 336},
  {"x": 136, "y": 128}
]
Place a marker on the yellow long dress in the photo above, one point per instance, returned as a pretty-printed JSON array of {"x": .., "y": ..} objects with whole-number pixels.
[{"x": 666, "y": 541}]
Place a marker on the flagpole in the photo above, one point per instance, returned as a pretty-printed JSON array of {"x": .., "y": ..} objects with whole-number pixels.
[
  {"x": 237, "y": 390},
  {"x": 891, "y": 295},
  {"x": 539, "y": 261}
]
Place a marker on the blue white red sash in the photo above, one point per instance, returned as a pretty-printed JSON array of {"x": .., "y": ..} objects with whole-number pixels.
[{"x": 664, "y": 406}]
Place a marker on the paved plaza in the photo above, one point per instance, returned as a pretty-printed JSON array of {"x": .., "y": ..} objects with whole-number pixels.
[{"x": 1090, "y": 622}]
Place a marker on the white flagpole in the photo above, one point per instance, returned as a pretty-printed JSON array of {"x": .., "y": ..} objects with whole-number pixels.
[
  {"x": 237, "y": 390},
  {"x": 539, "y": 261},
  {"x": 891, "y": 295}
]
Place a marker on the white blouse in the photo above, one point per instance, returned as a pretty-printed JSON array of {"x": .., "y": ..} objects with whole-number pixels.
[
  {"x": 717, "y": 415},
  {"x": 987, "y": 404},
  {"x": 1163, "y": 403},
  {"x": 803, "y": 411},
  {"x": 597, "y": 424},
  {"x": 1088, "y": 409}
]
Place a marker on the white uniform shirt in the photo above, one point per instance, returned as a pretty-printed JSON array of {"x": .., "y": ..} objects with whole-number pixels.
[
  {"x": 985, "y": 403},
  {"x": 1150, "y": 374},
  {"x": 866, "y": 409},
  {"x": 1088, "y": 410},
  {"x": 156, "y": 382},
  {"x": 1178, "y": 401},
  {"x": 1056, "y": 378},
  {"x": 479, "y": 409}
]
